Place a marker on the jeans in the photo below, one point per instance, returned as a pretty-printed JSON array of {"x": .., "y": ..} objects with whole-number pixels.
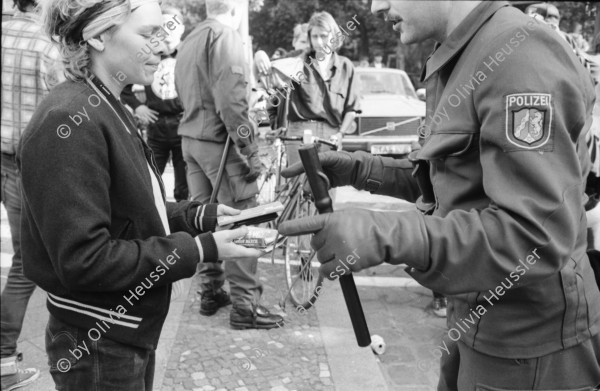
[
  {"x": 18, "y": 288},
  {"x": 77, "y": 362},
  {"x": 203, "y": 159},
  {"x": 162, "y": 149}
]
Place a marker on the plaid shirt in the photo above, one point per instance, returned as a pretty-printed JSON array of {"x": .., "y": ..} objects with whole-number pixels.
[{"x": 30, "y": 67}]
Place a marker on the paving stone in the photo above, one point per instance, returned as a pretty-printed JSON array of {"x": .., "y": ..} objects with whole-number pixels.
[{"x": 198, "y": 375}]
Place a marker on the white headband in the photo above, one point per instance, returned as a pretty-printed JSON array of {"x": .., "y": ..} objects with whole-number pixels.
[{"x": 105, "y": 20}]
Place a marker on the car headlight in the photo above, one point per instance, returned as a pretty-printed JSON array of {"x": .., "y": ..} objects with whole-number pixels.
[{"x": 352, "y": 128}]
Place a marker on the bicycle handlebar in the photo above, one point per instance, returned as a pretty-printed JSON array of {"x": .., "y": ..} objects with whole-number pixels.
[{"x": 277, "y": 134}]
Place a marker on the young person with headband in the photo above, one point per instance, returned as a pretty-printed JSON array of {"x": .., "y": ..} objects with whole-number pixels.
[{"x": 97, "y": 233}]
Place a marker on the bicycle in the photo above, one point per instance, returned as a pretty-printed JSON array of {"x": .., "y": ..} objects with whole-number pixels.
[{"x": 303, "y": 279}]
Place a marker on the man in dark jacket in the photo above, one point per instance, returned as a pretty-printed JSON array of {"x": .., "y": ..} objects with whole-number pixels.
[
  {"x": 211, "y": 76},
  {"x": 504, "y": 148}
]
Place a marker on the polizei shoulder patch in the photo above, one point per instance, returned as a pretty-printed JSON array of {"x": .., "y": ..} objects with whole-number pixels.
[{"x": 529, "y": 121}]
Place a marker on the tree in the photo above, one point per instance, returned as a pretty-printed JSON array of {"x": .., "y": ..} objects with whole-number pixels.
[
  {"x": 194, "y": 11},
  {"x": 572, "y": 12},
  {"x": 272, "y": 27},
  {"x": 272, "y": 22}
]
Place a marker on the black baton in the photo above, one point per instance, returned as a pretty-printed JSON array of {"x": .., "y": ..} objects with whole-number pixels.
[
  {"x": 318, "y": 184},
  {"x": 217, "y": 186}
]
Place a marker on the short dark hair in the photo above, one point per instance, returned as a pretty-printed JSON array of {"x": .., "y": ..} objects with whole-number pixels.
[{"x": 22, "y": 5}]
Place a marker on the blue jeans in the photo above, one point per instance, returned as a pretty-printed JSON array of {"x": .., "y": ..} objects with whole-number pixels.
[
  {"x": 77, "y": 362},
  {"x": 18, "y": 288}
]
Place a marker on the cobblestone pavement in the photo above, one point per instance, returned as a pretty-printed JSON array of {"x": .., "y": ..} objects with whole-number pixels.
[
  {"x": 403, "y": 316},
  {"x": 287, "y": 358}
]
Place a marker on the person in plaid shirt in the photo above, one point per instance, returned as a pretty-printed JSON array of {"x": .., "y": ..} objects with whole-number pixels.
[{"x": 30, "y": 67}]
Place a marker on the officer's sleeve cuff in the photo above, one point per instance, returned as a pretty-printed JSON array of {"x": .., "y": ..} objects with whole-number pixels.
[
  {"x": 413, "y": 232},
  {"x": 375, "y": 178}
]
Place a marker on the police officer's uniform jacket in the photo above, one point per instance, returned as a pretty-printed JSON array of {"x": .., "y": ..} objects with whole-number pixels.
[{"x": 507, "y": 103}]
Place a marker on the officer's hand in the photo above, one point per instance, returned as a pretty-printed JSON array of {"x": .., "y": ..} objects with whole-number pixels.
[
  {"x": 255, "y": 166},
  {"x": 345, "y": 241},
  {"x": 146, "y": 114},
  {"x": 342, "y": 168},
  {"x": 224, "y": 210},
  {"x": 229, "y": 251}
]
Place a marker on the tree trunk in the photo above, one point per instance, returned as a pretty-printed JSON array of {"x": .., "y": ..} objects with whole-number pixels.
[{"x": 363, "y": 50}]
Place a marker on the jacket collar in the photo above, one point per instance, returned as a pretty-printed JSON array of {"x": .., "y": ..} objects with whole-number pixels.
[
  {"x": 461, "y": 35},
  {"x": 336, "y": 62}
]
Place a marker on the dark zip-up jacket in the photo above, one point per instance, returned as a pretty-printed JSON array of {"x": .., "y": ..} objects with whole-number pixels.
[
  {"x": 91, "y": 235},
  {"x": 211, "y": 76}
]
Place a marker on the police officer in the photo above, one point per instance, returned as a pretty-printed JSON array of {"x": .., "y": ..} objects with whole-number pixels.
[{"x": 508, "y": 105}]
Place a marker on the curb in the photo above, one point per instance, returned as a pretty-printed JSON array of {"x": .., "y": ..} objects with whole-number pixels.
[
  {"x": 169, "y": 334},
  {"x": 352, "y": 368}
]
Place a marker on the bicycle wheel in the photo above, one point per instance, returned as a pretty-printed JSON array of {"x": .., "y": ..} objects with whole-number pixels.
[{"x": 301, "y": 266}]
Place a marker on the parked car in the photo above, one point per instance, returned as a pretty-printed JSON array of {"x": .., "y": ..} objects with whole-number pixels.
[{"x": 390, "y": 114}]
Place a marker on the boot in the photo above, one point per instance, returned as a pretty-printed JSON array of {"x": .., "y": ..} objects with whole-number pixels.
[
  {"x": 212, "y": 300},
  {"x": 253, "y": 318}
]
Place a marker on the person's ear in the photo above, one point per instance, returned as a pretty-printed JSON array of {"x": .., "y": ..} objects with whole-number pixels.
[
  {"x": 96, "y": 43},
  {"x": 99, "y": 42}
]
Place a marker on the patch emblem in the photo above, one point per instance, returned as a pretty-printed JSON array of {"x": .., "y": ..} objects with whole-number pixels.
[{"x": 528, "y": 120}]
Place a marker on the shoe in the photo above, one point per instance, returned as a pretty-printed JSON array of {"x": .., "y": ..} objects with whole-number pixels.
[
  {"x": 13, "y": 377},
  {"x": 213, "y": 300},
  {"x": 439, "y": 306},
  {"x": 260, "y": 318}
]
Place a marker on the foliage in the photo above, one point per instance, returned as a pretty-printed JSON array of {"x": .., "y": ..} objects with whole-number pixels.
[
  {"x": 271, "y": 25},
  {"x": 577, "y": 12},
  {"x": 194, "y": 11}
]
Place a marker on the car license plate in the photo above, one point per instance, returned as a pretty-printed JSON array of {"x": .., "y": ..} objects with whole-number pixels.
[{"x": 390, "y": 149}]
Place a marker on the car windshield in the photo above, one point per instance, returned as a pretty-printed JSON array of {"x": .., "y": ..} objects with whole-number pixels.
[{"x": 385, "y": 83}]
